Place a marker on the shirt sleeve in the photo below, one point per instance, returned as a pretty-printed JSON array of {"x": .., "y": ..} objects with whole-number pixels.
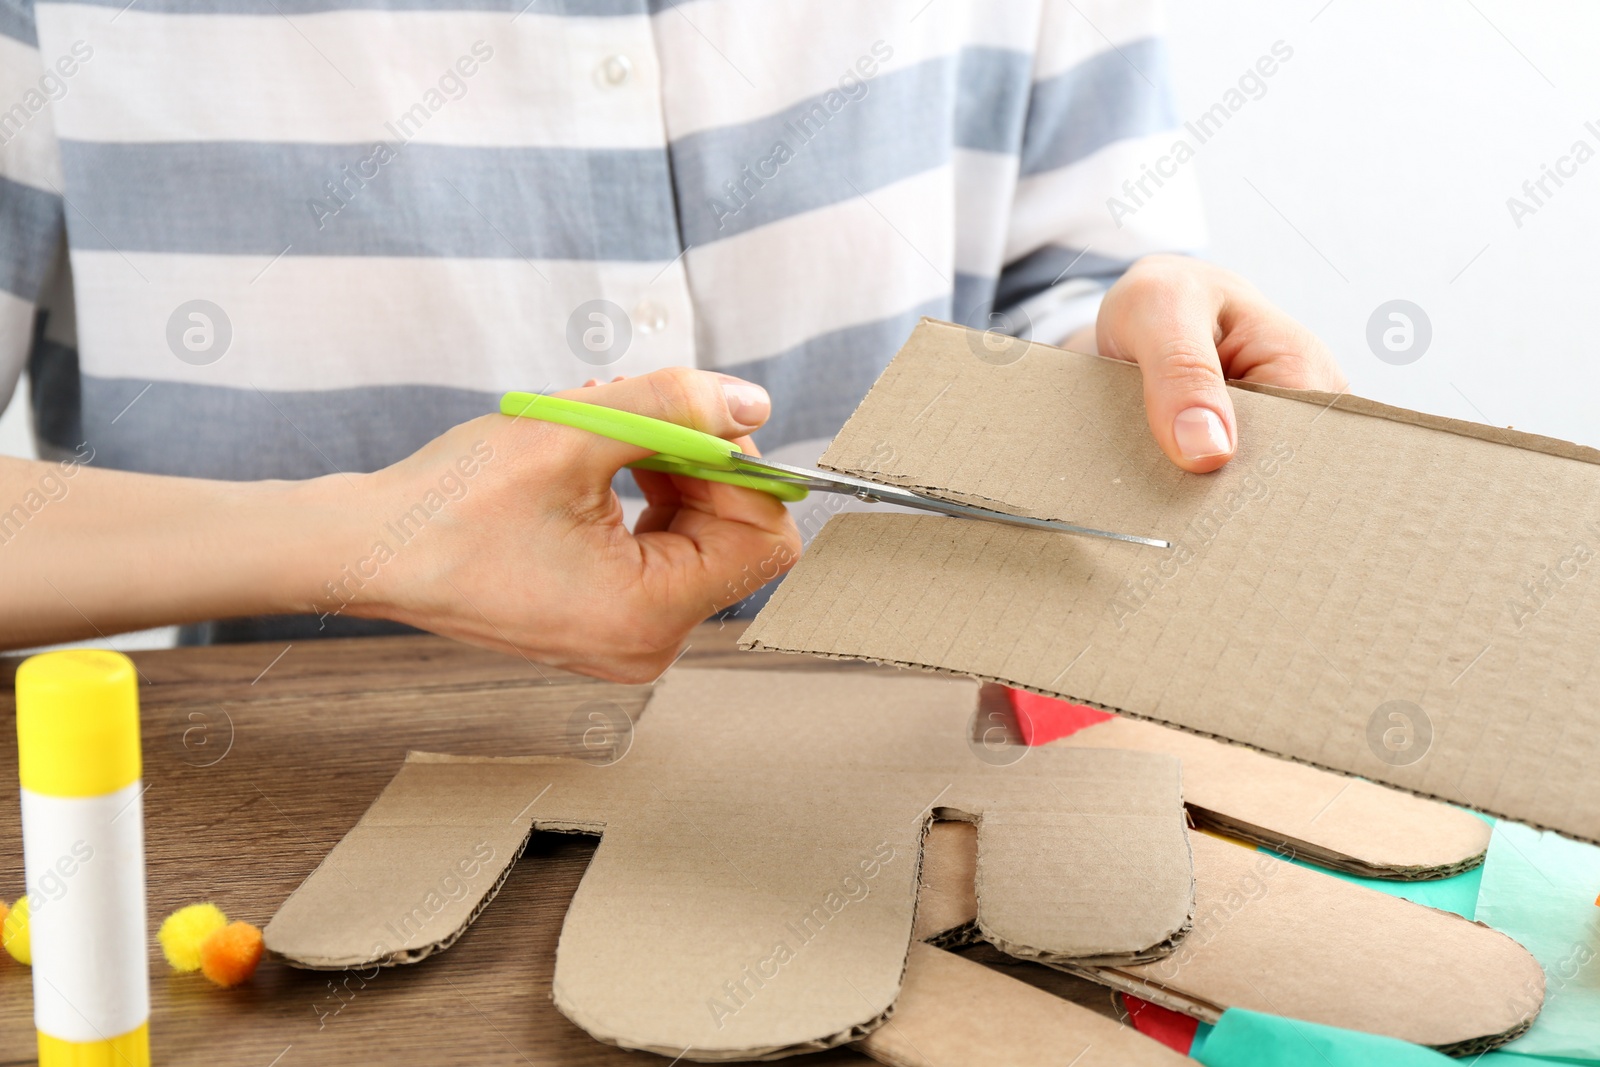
[
  {"x": 32, "y": 228},
  {"x": 1100, "y": 179}
]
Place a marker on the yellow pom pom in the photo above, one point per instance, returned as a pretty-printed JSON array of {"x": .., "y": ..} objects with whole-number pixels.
[
  {"x": 230, "y": 955},
  {"x": 15, "y": 932},
  {"x": 185, "y": 930}
]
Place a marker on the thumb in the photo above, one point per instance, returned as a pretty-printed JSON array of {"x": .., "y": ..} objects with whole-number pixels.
[
  {"x": 1185, "y": 393},
  {"x": 712, "y": 403}
]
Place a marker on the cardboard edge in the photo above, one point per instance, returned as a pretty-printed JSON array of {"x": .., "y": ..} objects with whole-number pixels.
[
  {"x": 981, "y": 931},
  {"x": 417, "y": 954},
  {"x": 969, "y": 932},
  {"x": 1207, "y": 1011},
  {"x": 411, "y": 955},
  {"x": 854, "y": 1033},
  {"x": 1194, "y": 1007},
  {"x": 958, "y": 936},
  {"x": 1347, "y": 402},
  {"x": 1029, "y": 955},
  {"x": 760, "y": 1055},
  {"x": 1360, "y": 405},
  {"x": 1286, "y": 844},
  {"x": 1160, "y": 950},
  {"x": 1322, "y": 857},
  {"x": 749, "y": 644}
]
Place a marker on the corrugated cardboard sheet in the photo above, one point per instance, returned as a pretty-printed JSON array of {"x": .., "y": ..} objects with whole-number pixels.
[
  {"x": 754, "y": 887},
  {"x": 1337, "y": 821},
  {"x": 956, "y": 1013},
  {"x": 1274, "y": 937},
  {"x": 1366, "y": 589}
]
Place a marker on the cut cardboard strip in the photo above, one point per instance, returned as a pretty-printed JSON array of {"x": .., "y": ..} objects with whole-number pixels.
[
  {"x": 405, "y": 882},
  {"x": 1364, "y": 589},
  {"x": 1273, "y": 937},
  {"x": 956, "y": 1013},
  {"x": 1361, "y": 959},
  {"x": 754, "y": 889},
  {"x": 1349, "y": 824}
]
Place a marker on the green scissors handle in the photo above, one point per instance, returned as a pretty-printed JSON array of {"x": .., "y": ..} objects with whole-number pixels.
[{"x": 680, "y": 450}]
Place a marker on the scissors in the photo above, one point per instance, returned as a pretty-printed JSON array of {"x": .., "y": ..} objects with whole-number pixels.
[{"x": 685, "y": 451}]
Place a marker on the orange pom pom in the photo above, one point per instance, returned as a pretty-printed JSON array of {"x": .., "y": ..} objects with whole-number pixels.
[{"x": 229, "y": 956}]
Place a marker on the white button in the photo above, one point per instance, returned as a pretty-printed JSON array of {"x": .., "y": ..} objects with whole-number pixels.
[
  {"x": 614, "y": 70},
  {"x": 650, "y": 317}
]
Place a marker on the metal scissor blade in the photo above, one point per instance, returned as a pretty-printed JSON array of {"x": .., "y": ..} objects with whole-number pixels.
[
  {"x": 967, "y": 511},
  {"x": 873, "y": 492}
]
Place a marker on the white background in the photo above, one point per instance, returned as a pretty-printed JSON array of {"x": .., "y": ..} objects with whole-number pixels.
[
  {"x": 1390, "y": 142},
  {"x": 1377, "y": 166}
]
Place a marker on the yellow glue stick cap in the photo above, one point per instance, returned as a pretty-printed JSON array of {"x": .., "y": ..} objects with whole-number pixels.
[{"x": 77, "y": 723}]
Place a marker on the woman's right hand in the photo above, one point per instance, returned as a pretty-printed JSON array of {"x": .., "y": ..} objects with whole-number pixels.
[
  {"x": 527, "y": 551},
  {"x": 502, "y": 531}
]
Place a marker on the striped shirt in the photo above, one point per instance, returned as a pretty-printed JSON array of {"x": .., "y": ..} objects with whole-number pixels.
[{"x": 278, "y": 238}]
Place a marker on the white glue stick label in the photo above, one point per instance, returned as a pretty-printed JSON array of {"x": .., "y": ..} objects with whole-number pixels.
[{"x": 83, "y": 859}]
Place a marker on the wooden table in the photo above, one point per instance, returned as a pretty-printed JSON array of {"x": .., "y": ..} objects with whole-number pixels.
[{"x": 259, "y": 758}]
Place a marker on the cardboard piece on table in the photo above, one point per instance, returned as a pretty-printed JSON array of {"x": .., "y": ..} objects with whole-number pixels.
[
  {"x": 956, "y": 1013},
  {"x": 1363, "y": 588},
  {"x": 1273, "y": 937},
  {"x": 1349, "y": 824},
  {"x": 754, "y": 887},
  {"x": 1350, "y": 957},
  {"x": 948, "y": 898},
  {"x": 947, "y": 901}
]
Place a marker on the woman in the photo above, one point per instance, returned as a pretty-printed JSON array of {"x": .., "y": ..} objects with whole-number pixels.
[{"x": 306, "y": 240}]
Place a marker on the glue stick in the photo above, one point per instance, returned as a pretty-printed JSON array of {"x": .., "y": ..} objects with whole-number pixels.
[{"x": 83, "y": 857}]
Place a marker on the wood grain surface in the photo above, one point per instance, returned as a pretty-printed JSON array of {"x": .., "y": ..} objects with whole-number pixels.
[{"x": 258, "y": 759}]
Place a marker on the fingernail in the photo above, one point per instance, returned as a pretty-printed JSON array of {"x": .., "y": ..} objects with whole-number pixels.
[
  {"x": 748, "y": 403},
  {"x": 1200, "y": 434}
]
